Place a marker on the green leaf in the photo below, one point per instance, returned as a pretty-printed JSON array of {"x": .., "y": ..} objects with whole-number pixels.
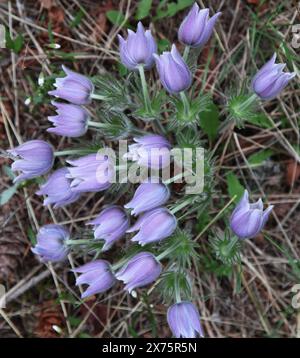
[
  {"x": 143, "y": 9},
  {"x": 261, "y": 120},
  {"x": 7, "y": 194},
  {"x": 18, "y": 43},
  {"x": 163, "y": 44},
  {"x": 31, "y": 236},
  {"x": 182, "y": 4},
  {"x": 260, "y": 157},
  {"x": 14, "y": 45},
  {"x": 172, "y": 8},
  {"x": 234, "y": 186},
  {"x": 77, "y": 19},
  {"x": 116, "y": 17},
  {"x": 7, "y": 171},
  {"x": 209, "y": 121}
]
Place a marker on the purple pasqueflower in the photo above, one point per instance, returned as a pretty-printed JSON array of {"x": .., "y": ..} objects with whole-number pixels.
[
  {"x": 270, "y": 80},
  {"x": 71, "y": 120},
  {"x": 75, "y": 88},
  {"x": 51, "y": 243},
  {"x": 139, "y": 271},
  {"x": 196, "y": 28},
  {"x": 152, "y": 151},
  {"x": 154, "y": 225},
  {"x": 137, "y": 49},
  {"x": 174, "y": 73},
  {"x": 32, "y": 159},
  {"x": 110, "y": 225},
  {"x": 148, "y": 196},
  {"x": 184, "y": 320},
  {"x": 247, "y": 220},
  {"x": 90, "y": 173},
  {"x": 58, "y": 189},
  {"x": 97, "y": 275}
]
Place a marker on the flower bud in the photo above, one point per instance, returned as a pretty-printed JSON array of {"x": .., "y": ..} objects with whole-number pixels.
[
  {"x": 270, "y": 80},
  {"x": 184, "y": 320},
  {"x": 148, "y": 196},
  {"x": 74, "y": 88},
  {"x": 58, "y": 189},
  {"x": 51, "y": 243},
  {"x": 154, "y": 225},
  {"x": 137, "y": 49},
  {"x": 97, "y": 275},
  {"x": 139, "y": 271},
  {"x": 110, "y": 225},
  {"x": 71, "y": 120},
  {"x": 33, "y": 158},
  {"x": 196, "y": 28},
  {"x": 174, "y": 73},
  {"x": 152, "y": 151},
  {"x": 247, "y": 220},
  {"x": 90, "y": 173}
]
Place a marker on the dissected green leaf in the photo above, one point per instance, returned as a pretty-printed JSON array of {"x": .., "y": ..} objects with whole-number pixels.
[
  {"x": 16, "y": 44},
  {"x": 143, "y": 9},
  {"x": 234, "y": 186},
  {"x": 209, "y": 121},
  {"x": 261, "y": 120},
  {"x": 260, "y": 157},
  {"x": 169, "y": 9},
  {"x": 77, "y": 19},
  {"x": 7, "y": 194},
  {"x": 116, "y": 17}
]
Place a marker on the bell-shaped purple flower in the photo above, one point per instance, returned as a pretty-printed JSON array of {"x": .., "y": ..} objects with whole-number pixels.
[
  {"x": 247, "y": 220},
  {"x": 270, "y": 80},
  {"x": 148, "y": 196},
  {"x": 174, "y": 73},
  {"x": 184, "y": 320},
  {"x": 32, "y": 159},
  {"x": 74, "y": 88},
  {"x": 196, "y": 28},
  {"x": 51, "y": 243},
  {"x": 137, "y": 49},
  {"x": 139, "y": 271},
  {"x": 110, "y": 225},
  {"x": 97, "y": 275},
  {"x": 152, "y": 151},
  {"x": 71, "y": 120},
  {"x": 58, "y": 189},
  {"x": 154, "y": 225},
  {"x": 90, "y": 173}
]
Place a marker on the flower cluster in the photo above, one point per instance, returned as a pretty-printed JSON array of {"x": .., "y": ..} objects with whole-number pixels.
[{"x": 153, "y": 221}]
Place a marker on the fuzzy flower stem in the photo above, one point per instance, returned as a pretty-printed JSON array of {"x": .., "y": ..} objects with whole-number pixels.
[
  {"x": 186, "y": 53},
  {"x": 97, "y": 124},
  {"x": 215, "y": 218},
  {"x": 186, "y": 103},
  {"x": 166, "y": 252},
  {"x": 249, "y": 101},
  {"x": 71, "y": 152},
  {"x": 144, "y": 87},
  {"x": 119, "y": 264},
  {"x": 177, "y": 292},
  {"x": 98, "y": 97},
  {"x": 182, "y": 205},
  {"x": 77, "y": 242}
]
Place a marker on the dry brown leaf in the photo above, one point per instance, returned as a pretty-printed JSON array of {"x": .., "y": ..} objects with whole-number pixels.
[
  {"x": 49, "y": 316},
  {"x": 292, "y": 172},
  {"x": 47, "y": 4},
  {"x": 56, "y": 14}
]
